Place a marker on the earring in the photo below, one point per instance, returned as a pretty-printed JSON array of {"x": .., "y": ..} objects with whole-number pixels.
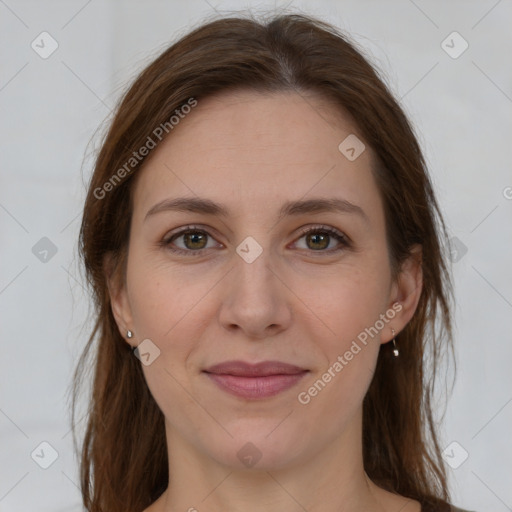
[
  {"x": 395, "y": 348},
  {"x": 129, "y": 334}
]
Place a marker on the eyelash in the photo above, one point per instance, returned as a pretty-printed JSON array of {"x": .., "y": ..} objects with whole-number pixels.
[{"x": 340, "y": 237}]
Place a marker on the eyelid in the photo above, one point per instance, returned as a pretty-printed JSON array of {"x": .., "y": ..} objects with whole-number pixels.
[
  {"x": 180, "y": 232},
  {"x": 343, "y": 240},
  {"x": 323, "y": 227}
]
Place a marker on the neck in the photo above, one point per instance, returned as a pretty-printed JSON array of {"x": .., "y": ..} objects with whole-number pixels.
[{"x": 331, "y": 479}]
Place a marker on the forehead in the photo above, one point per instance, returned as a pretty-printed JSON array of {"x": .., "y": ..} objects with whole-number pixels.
[{"x": 251, "y": 148}]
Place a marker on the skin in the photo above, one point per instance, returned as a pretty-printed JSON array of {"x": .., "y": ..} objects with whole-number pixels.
[{"x": 294, "y": 303}]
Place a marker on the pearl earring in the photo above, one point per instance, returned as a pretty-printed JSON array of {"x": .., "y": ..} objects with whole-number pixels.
[{"x": 129, "y": 334}]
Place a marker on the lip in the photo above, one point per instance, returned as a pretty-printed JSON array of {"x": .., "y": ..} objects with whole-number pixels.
[
  {"x": 263, "y": 369},
  {"x": 255, "y": 381}
]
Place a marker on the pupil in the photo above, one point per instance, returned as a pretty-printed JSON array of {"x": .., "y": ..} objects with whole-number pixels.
[
  {"x": 194, "y": 238},
  {"x": 319, "y": 238}
]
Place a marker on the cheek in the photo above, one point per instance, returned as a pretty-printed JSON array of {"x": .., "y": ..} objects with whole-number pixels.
[
  {"x": 166, "y": 304},
  {"x": 344, "y": 301},
  {"x": 172, "y": 305},
  {"x": 348, "y": 306},
  {"x": 348, "y": 347},
  {"x": 162, "y": 294}
]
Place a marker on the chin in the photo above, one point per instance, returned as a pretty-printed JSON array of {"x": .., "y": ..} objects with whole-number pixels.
[{"x": 257, "y": 450}]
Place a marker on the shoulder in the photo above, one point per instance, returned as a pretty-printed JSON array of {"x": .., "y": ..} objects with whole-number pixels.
[{"x": 456, "y": 509}]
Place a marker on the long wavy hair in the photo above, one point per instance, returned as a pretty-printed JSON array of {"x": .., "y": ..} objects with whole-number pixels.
[{"x": 123, "y": 453}]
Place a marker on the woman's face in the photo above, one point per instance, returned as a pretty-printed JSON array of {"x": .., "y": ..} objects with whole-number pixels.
[{"x": 248, "y": 284}]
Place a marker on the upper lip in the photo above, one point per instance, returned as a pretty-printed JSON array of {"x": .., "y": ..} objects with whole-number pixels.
[{"x": 263, "y": 369}]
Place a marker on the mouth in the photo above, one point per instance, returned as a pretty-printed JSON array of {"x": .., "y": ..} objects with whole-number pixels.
[{"x": 255, "y": 381}]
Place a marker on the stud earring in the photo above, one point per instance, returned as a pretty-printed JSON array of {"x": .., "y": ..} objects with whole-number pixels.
[
  {"x": 395, "y": 348},
  {"x": 129, "y": 334}
]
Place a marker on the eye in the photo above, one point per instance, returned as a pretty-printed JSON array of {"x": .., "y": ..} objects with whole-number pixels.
[
  {"x": 320, "y": 239},
  {"x": 189, "y": 241},
  {"x": 193, "y": 241}
]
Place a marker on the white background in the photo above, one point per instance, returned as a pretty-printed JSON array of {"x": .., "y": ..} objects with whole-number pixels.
[{"x": 50, "y": 109}]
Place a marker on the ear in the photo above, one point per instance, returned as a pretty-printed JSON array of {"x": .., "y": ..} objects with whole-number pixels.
[
  {"x": 405, "y": 293},
  {"x": 119, "y": 302}
]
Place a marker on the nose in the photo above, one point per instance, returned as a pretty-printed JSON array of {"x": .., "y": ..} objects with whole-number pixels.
[{"x": 256, "y": 300}]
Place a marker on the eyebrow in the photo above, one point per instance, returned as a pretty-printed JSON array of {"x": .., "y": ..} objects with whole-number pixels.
[{"x": 290, "y": 208}]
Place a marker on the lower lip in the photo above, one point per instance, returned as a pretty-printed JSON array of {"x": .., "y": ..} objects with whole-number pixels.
[{"x": 255, "y": 387}]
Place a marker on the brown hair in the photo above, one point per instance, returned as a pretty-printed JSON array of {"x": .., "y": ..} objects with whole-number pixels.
[{"x": 124, "y": 463}]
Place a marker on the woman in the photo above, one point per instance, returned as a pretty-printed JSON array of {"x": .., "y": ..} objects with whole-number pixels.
[{"x": 264, "y": 248}]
